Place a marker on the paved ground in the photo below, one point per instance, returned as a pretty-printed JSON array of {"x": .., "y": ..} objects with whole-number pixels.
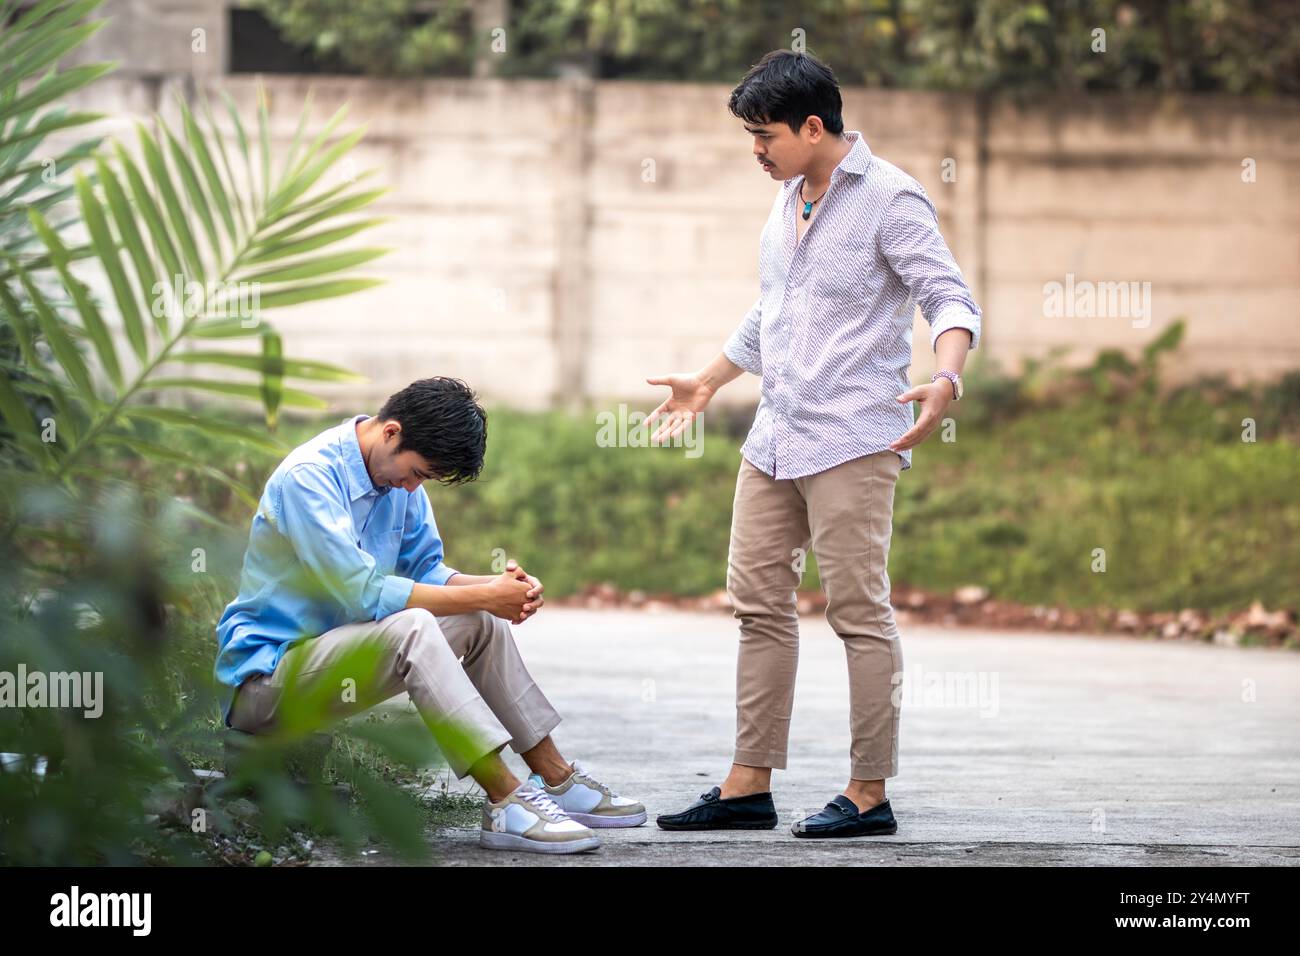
[{"x": 1048, "y": 749}]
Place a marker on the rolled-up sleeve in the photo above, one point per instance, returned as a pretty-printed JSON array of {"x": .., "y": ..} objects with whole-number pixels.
[
  {"x": 742, "y": 348},
  {"x": 313, "y": 515},
  {"x": 421, "y": 556},
  {"x": 915, "y": 249}
]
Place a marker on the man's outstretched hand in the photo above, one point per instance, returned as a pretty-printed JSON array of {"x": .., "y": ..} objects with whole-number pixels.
[{"x": 678, "y": 410}]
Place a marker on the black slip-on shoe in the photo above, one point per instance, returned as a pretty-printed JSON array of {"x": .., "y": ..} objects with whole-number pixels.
[
  {"x": 710, "y": 812},
  {"x": 840, "y": 818}
]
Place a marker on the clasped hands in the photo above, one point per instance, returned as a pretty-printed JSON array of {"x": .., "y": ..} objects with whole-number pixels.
[{"x": 515, "y": 594}]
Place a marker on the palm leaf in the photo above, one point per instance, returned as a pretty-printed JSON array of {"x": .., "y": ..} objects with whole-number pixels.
[
  {"x": 30, "y": 81},
  {"x": 288, "y": 396},
  {"x": 148, "y": 218},
  {"x": 178, "y": 235}
]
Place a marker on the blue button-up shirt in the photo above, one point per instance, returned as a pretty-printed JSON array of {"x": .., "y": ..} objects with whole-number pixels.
[
  {"x": 326, "y": 548},
  {"x": 831, "y": 331}
]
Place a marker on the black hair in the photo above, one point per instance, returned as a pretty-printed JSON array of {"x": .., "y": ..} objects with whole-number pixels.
[
  {"x": 787, "y": 87},
  {"x": 443, "y": 422}
]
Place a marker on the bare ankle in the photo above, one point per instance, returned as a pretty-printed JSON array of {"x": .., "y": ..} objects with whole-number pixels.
[
  {"x": 743, "y": 781},
  {"x": 494, "y": 777},
  {"x": 866, "y": 793},
  {"x": 498, "y": 790}
]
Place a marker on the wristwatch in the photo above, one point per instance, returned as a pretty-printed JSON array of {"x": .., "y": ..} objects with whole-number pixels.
[{"x": 953, "y": 377}]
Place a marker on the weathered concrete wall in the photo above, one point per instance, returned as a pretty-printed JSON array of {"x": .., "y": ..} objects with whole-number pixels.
[{"x": 562, "y": 240}]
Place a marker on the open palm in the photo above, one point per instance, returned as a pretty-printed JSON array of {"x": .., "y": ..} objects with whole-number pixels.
[{"x": 678, "y": 410}]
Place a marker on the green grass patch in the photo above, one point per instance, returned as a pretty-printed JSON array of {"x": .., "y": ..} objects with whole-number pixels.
[{"x": 1045, "y": 469}]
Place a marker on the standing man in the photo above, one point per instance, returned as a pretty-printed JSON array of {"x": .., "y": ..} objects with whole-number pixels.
[
  {"x": 343, "y": 554},
  {"x": 851, "y": 245}
]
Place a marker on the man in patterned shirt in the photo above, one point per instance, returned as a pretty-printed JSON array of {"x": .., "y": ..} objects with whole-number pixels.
[{"x": 851, "y": 247}]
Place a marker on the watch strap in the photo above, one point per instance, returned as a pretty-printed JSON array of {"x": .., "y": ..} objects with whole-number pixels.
[{"x": 952, "y": 377}]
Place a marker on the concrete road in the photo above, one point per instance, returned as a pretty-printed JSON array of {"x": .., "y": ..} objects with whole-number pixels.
[{"x": 1014, "y": 748}]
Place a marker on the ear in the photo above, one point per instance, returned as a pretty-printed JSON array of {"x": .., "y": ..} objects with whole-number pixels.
[
  {"x": 392, "y": 429},
  {"x": 815, "y": 129}
]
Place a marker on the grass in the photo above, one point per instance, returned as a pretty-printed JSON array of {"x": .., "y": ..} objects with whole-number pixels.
[{"x": 1185, "y": 513}]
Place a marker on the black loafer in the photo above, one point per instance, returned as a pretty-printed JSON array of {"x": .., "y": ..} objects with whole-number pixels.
[
  {"x": 753, "y": 812},
  {"x": 840, "y": 818}
]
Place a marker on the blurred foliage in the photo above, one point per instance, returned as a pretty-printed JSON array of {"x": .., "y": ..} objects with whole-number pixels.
[
  {"x": 105, "y": 565},
  {"x": 121, "y": 787},
  {"x": 381, "y": 37},
  {"x": 1047, "y": 466},
  {"x": 1189, "y": 512},
  {"x": 1251, "y": 46}
]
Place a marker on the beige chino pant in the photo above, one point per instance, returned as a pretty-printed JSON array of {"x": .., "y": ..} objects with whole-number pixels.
[
  {"x": 473, "y": 708},
  {"x": 845, "y": 515}
]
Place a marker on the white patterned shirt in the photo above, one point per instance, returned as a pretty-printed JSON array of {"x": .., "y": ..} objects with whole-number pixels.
[{"x": 831, "y": 331}]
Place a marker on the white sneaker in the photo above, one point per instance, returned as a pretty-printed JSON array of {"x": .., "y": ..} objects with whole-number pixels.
[
  {"x": 587, "y": 800},
  {"x": 529, "y": 820}
]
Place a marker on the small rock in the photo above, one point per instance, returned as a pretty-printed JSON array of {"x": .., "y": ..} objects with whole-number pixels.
[
  {"x": 1127, "y": 621},
  {"x": 970, "y": 594},
  {"x": 1227, "y": 637},
  {"x": 1259, "y": 619}
]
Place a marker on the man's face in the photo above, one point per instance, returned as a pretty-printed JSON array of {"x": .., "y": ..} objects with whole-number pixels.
[
  {"x": 390, "y": 468},
  {"x": 781, "y": 152}
]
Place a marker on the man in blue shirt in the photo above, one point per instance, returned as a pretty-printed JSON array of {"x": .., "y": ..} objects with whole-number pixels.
[{"x": 343, "y": 554}]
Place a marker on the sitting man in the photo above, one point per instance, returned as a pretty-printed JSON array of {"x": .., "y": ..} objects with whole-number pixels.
[{"x": 347, "y": 512}]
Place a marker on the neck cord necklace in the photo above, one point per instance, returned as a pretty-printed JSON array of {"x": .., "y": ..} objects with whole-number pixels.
[{"x": 807, "y": 206}]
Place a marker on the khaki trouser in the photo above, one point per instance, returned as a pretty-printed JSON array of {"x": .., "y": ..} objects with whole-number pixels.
[
  {"x": 473, "y": 709},
  {"x": 845, "y": 515}
]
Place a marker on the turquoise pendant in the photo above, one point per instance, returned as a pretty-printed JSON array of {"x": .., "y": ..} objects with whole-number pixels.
[{"x": 807, "y": 209}]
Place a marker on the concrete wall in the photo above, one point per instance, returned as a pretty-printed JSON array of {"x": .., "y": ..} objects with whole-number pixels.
[{"x": 537, "y": 257}]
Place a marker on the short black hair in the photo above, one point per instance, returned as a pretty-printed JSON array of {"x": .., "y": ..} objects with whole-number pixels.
[
  {"x": 443, "y": 422},
  {"x": 787, "y": 87}
]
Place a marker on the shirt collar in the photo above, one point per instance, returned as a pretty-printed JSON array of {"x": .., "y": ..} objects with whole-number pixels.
[
  {"x": 354, "y": 465},
  {"x": 855, "y": 161},
  {"x": 858, "y": 157}
]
